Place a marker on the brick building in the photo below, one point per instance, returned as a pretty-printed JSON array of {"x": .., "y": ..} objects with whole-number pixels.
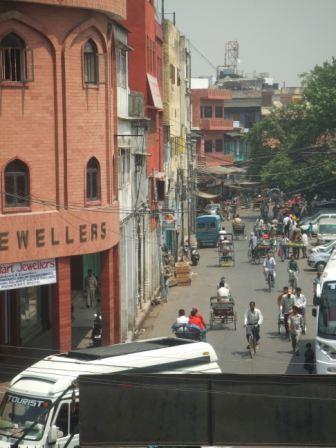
[
  {"x": 59, "y": 211},
  {"x": 145, "y": 65},
  {"x": 208, "y": 118}
]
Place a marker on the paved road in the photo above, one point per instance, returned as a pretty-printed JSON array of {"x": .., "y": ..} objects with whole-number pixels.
[{"x": 247, "y": 282}]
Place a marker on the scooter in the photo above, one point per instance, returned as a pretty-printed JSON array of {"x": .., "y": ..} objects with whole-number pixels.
[
  {"x": 96, "y": 333},
  {"x": 194, "y": 256}
]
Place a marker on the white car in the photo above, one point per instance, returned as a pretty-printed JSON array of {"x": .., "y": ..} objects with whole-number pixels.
[
  {"x": 326, "y": 230},
  {"x": 319, "y": 256},
  {"x": 315, "y": 220}
]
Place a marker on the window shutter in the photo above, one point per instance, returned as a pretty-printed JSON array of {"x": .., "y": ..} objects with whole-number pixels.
[
  {"x": 101, "y": 68},
  {"x": 29, "y": 65}
]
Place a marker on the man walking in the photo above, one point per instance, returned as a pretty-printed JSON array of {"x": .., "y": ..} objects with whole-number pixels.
[{"x": 90, "y": 288}]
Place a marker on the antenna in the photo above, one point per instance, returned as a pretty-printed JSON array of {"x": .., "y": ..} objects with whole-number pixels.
[{"x": 232, "y": 55}]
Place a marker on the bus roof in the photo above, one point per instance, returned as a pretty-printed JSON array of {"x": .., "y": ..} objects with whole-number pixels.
[{"x": 208, "y": 218}]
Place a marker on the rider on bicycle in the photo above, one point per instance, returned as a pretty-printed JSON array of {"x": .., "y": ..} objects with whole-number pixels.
[
  {"x": 286, "y": 306},
  {"x": 269, "y": 265},
  {"x": 300, "y": 301},
  {"x": 253, "y": 243},
  {"x": 252, "y": 321},
  {"x": 293, "y": 268}
]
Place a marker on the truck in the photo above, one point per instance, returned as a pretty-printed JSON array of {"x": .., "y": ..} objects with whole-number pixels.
[{"x": 40, "y": 408}]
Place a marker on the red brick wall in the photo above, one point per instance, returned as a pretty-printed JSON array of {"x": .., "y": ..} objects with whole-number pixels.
[
  {"x": 61, "y": 307},
  {"x": 54, "y": 123},
  {"x": 116, "y": 7}
]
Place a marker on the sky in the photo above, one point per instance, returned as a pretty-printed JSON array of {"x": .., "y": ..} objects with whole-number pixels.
[{"x": 281, "y": 37}]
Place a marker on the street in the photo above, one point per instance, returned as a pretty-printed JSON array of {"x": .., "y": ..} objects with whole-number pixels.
[{"x": 247, "y": 282}]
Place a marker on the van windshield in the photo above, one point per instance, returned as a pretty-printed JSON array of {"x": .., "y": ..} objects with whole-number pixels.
[
  {"x": 327, "y": 314},
  {"x": 18, "y": 413},
  {"x": 327, "y": 228}
]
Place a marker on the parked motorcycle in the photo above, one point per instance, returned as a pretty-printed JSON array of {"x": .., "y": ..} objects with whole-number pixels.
[
  {"x": 96, "y": 333},
  {"x": 194, "y": 256}
]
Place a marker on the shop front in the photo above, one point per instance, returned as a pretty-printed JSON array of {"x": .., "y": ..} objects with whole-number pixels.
[{"x": 25, "y": 300}]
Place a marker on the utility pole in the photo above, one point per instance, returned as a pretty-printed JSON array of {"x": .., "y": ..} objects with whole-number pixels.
[{"x": 163, "y": 10}]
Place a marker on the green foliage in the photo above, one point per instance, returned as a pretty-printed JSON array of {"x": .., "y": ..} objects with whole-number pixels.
[{"x": 292, "y": 148}]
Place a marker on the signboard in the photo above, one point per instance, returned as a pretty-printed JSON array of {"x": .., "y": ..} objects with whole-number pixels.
[
  {"x": 169, "y": 221},
  {"x": 212, "y": 410},
  {"x": 155, "y": 91},
  {"x": 28, "y": 273}
]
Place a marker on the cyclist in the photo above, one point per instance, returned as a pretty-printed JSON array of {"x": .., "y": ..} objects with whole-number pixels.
[
  {"x": 252, "y": 321},
  {"x": 293, "y": 271},
  {"x": 300, "y": 301},
  {"x": 253, "y": 243},
  {"x": 286, "y": 306},
  {"x": 269, "y": 266}
]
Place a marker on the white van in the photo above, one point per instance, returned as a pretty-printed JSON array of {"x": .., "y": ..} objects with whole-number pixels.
[
  {"x": 325, "y": 313},
  {"x": 315, "y": 220},
  {"x": 41, "y": 406}
]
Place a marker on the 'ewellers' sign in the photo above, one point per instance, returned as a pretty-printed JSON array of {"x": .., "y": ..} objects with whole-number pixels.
[{"x": 28, "y": 273}]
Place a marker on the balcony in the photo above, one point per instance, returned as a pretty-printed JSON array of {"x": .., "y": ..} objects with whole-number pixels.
[{"x": 216, "y": 124}]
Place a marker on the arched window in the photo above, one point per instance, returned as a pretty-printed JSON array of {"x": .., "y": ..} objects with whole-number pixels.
[
  {"x": 16, "y": 184},
  {"x": 13, "y": 58},
  {"x": 93, "y": 180},
  {"x": 90, "y": 63}
]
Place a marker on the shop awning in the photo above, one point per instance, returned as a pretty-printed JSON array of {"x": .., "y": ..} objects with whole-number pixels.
[
  {"x": 202, "y": 194},
  {"x": 155, "y": 91}
]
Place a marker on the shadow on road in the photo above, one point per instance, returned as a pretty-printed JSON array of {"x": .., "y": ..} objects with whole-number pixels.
[{"x": 243, "y": 355}]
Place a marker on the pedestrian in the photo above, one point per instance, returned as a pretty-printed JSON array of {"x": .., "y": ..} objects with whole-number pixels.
[
  {"x": 309, "y": 356},
  {"x": 317, "y": 283},
  {"x": 90, "y": 288},
  {"x": 295, "y": 328},
  {"x": 305, "y": 241},
  {"x": 310, "y": 230},
  {"x": 283, "y": 247},
  {"x": 165, "y": 285}
]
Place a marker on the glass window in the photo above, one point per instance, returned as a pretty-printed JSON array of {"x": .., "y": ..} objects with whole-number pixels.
[
  {"x": 208, "y": 146},
  {"x": 62, "y": 420},
  {"x": 93, "y": 180},
  {"x": 219, "y": 112},
  {"x": 74, "y": 418},
  {"x": 212, "y": 225},
  {"x": 327, "y": 314},
  {"x": 16, "y": 184},
  {"x": 122, "y": 68},
  {"x": 219, "y": 145},
  {"x": 201, "y": 227},
  {"x": 206, "y": 111},
  {"x": 90, "y": 63},
  {"x": 13, "y": 66},
  {"x": 18, "y": 412}
]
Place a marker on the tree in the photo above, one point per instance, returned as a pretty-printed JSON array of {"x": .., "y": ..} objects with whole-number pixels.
[{"x": 294, "y": 147}]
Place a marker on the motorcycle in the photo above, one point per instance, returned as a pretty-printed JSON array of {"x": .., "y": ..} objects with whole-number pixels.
[
  {"x": 194, "y": 256},
  {"x": 96, "y": 332}
]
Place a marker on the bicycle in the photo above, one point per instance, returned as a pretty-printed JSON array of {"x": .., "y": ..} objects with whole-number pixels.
[
  {"x": 293, "y": 279},
  {"x": 270, "y": 280},
  {"x": 253, "y": 257},
  {"x": 252, "y": 339}
]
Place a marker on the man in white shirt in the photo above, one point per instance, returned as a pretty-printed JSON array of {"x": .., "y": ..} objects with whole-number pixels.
[
  {"x": 300, "y": 301},
  {"x": 304, "y": 239},
  {"x": 182, "y": 318},
  {"x": 252, "y": 321},
  {"x": 269, "y": 265},
  {"x": 223, "y": 292}
]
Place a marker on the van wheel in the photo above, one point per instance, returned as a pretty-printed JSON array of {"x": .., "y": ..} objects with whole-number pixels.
[{"x": 320, "y": 266}]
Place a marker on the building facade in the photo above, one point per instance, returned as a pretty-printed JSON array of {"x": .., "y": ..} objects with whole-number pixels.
[
  {"x": 145, "y": 77},
  {"x": 208, "y": 117},
  {"x": 59, "y": 167},
  {"x": 133, "y": 190},
  {"x": 178, "y": 142}
]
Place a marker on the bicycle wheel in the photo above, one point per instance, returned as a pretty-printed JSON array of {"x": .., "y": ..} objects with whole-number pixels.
[
  {"x": 251, "y": 345},
  {"x": 257, "y": 259},
  {"x": 249, "y": 256},
  {"x": 269, "y": 281}
]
